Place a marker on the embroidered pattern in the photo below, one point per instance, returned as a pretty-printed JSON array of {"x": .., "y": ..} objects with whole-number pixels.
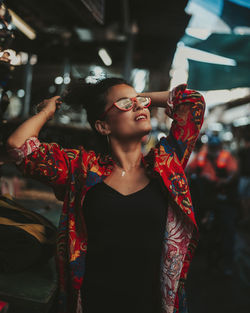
[
  {"x": 18, "y": 154},
  {"x": 178, "y": 184},
  {"x": 178, "y": 235}
]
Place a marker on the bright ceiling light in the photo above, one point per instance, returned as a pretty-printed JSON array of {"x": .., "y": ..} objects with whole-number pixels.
[
  {"x": 227, "y": 136},
  {"x": 236, "y": 113},
  {"x": 242, "y": 121},
  {"x": 84, "y": 34},
  {"x": 22, "y": 26},
  {"x": 215, "y": 97},
  {"x": 202, "y": 17},
  {"x": 204, "y": 138},
  {"x": 140, "y": 78},
  {"x": 66, "y": 79},
  {"x": 91, "y": 79},
  {"x": 203, "y": 56},
  {"x": 20, "y": 93},
  {"x": 103, "y": 54},
  {"x": 215, "y": 127},
  {"x": 58, "y": 80},
  {"x": 241, "y": 30},
  {"x": 200, "y": 33},
  {"x": 97, "y": 71}
]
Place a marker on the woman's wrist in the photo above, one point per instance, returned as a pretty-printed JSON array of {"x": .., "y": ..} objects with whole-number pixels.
[
  {"x": 158, "y": 98},
  {"x": 47, "y": 115},
  {"x": 48, "y": 107}
]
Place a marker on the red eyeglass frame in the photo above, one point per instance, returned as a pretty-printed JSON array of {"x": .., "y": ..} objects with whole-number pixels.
[{"x": 115, "y": 104}]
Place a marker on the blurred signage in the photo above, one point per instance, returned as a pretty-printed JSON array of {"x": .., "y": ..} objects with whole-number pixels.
[{"x": 96, "y": 7}]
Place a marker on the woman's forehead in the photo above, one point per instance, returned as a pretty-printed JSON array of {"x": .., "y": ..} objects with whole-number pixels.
[{"x": 120, "y": 91}]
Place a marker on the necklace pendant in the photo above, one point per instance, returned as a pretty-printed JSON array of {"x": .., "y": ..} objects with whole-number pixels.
[{"x": 123, "y": 173}]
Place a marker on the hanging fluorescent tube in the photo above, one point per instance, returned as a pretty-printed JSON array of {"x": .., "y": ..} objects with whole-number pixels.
[
  {"x": 103, "y": 54},
  {"x": 22, "y": 26},
  {"x": 203, "y": 56}
]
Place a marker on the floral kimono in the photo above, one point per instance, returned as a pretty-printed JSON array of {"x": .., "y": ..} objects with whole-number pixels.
[{"x": 72, "y": 173}]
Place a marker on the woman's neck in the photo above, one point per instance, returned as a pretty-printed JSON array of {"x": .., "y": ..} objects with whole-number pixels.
[{"x": 126, "y": 155}]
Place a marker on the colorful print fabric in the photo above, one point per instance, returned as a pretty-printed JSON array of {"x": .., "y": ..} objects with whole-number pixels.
[{"x": 73, "y": 172}]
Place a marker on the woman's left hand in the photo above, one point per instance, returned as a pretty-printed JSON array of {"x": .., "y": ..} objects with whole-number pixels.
[{"x": 173, "y": 95}]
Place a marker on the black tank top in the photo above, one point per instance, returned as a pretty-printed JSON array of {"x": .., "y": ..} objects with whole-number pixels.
[{"x": 125, "y": 235}]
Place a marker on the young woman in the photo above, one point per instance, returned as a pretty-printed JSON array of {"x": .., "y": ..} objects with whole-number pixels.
[{"x": 127, "y": 229}]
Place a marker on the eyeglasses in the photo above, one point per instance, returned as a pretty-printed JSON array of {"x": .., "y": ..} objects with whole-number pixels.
[{"x": 127, "y": 104}]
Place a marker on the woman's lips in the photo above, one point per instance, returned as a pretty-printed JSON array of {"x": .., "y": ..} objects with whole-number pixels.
[{"x": 141, "y": 117}]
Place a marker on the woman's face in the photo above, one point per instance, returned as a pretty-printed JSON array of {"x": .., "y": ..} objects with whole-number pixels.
[{"x": 126, "y": 125}]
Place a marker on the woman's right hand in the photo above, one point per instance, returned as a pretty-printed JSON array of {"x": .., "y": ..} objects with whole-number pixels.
[
  {"x": 49, "y": 106},
  {"x": 32, "y": 126}
]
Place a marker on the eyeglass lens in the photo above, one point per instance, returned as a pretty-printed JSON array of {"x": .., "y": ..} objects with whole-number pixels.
[{"x": 128, "y": 103}]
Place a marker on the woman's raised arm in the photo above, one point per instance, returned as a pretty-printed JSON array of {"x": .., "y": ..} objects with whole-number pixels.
[
  {"x": 186, "y": 108},
  {"x": 158, "y": 98},
  {"x": 47, "y": 162},
  {"x": 32, "y": 126}
]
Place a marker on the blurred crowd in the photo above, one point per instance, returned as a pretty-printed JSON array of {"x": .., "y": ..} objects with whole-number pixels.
[{"x": 220, "y": 187}]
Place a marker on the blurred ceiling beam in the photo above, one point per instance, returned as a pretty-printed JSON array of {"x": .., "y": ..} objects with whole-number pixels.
[
  {"x": 237, "y": 102},
  {"x": 22, "y": 25},
  {"x": 233, "y": 103}
]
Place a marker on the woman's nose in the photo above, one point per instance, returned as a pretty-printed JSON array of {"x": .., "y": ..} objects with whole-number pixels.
[{"x": 137, "y": 104}]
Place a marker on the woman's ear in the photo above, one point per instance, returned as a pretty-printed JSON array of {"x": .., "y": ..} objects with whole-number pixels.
[{"x": 102, "y": 127}]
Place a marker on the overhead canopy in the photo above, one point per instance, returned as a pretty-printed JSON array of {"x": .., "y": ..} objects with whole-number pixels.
[
  {"x": 228, "y": 22},
  {"x": 235, "y": 13},
  {"x": 244, "y": 3},
  {"x": 207, "y": 76},
  {"x": 228, "y": 9}
]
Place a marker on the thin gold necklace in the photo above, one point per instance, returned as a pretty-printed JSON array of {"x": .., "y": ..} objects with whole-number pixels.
[{"x": 122, "y": 169}]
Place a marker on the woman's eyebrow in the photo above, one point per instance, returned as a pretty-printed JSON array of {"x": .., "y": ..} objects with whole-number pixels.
[
  {"x": 122, "y": 98},
  {"x": 126, "y": 98}
]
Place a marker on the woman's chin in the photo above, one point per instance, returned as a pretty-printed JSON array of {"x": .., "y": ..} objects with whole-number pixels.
[
  {"x": 135, "y": 133},
  {"x": 144, "y": 134},
  {"x": 148, "y": 130}
]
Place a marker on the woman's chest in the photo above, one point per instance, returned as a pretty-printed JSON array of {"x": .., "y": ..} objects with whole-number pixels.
[
  {"x": 127, "y": 182},
  {"x": 108, "y": 212}
]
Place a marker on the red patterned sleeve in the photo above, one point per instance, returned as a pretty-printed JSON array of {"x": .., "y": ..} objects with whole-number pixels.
[
  {"x": 18, "y": 154},
  {"x": 46, "y": 162},
  {"x": 186, "y": 108}
]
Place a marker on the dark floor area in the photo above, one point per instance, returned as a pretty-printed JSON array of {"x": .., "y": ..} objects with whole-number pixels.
[{"x": 211, "y": 291}]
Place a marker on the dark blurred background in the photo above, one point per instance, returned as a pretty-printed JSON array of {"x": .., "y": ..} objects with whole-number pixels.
[{"x": 155, "y": 45}]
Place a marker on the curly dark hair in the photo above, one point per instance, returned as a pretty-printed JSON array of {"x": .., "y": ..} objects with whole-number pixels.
[{"x": 93, "y": 98}]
